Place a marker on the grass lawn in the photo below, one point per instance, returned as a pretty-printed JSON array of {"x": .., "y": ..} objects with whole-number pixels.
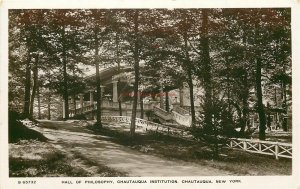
[
  {"x": 235, "y": 161},
  {"x": 31, "y": 158}
]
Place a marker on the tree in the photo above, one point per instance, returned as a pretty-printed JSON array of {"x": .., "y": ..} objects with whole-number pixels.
[
  {"x": 136, "y": 70},
  {"x": 280, "y": 50},
  {"x": 260, "y": 34},
  {"x": 172, "y": 37},
  {"x": 235, "y": 72},
  {"x": 205, "y": 61},
  {"x": 185, "y": 25},
  {"x": 66, "y": 45},
  {"x": 27, "y": 28},
  {"x": 99, "y": 30}
]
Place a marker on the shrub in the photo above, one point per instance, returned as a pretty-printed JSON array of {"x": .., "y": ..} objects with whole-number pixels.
[
  {"x": 79, "y": 117},
  {"x": 216, "y": 133},
  {"x": 18, "y": 131}
]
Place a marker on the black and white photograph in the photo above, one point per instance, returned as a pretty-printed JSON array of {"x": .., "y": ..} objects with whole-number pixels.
[{"x": 132, "y": 93}]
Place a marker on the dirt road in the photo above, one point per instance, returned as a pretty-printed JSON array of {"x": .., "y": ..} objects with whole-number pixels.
[{"x": 73, "y": 138}]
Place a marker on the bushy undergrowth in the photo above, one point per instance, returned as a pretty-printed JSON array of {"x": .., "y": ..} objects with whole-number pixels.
[
  {"x": 31, "y": 158},
  {"x": 18, "y": 131},
  {"x": 79, "y": 117}
]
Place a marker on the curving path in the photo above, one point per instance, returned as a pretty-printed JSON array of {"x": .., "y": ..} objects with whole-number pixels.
[{"x": 72, "y": 138}]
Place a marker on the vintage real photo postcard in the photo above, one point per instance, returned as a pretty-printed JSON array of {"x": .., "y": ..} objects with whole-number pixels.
[{"x": 147, "y": 94}]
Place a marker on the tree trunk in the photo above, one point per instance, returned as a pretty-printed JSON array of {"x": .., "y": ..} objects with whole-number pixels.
[
  {"x": 167, "y": 101},
  {"x": 284, "y": 107},
  {"x": 192, "y": 101},
  {"x": 39, "y": 101},
  {"x": 259, "y": 95},
  {"x": 119, "y": 81},
  {"x": 136, "y": 74},
  {"x": 189, "y": 74},
  {"x": 27, "y": 87},
  {"x": 98, "y": 83},
  {"x": 49, "y": 107},
  {"x": 142, "y": 105},
  {"x": 65, "y": 77},
  {"x": 260, "y": 106},
  {"x": 204, "y": 42},
  {"x": 161, "y": 100},
  {"x": 245, "y": 104},
  {"x": 35, "y": 85}
]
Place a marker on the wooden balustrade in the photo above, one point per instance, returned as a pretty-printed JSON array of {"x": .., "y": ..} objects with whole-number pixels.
[{"x": 276, "y": 149}]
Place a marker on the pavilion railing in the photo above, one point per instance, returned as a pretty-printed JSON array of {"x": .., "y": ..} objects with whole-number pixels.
[
  {"x": 276, "y": 149},
  {"x": 108, "y": 105},
  {"x": 146, "y": 125}
]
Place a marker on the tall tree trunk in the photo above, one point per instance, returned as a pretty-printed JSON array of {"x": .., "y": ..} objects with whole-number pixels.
[
  {"x": 284, "y": 107},
  {"x": 142, "y": 105},
  {"x": 35, "y": 84},
  {"x": 167, "y": 101},
  {"x": 189, "y": 74},
  {"x": 27, "y": 87},
  {"x": 259, "y": 95},
  {"x": 192, "y": 101},
  {"x": 228, "y": 83},
  {"x": 39, "y": 101},
  {"x": 245, "y": 93},
  {"x": 98, "y": 97},
  {"x": 161, "y": 100},
  {"x": 136, "y": 74},
  {"x": 65, "y": 76},
  {"x": 245, "y": 105},
  {"x": 276, "y": 105},
  {"x": 98, "y": 83},
  {"x": 204, "y": 42},
  {"x": 49, "y": 107},
  {"x": 119, "y": 81},
  {"x": 260, "y": 106}
]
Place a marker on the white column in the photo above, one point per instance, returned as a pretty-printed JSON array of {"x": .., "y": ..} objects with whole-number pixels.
[
  {"x": 115, "y": 91},
  {"x": 81, "y": 102},
  {"x": 92, "y": 97},
  {"x": 73, "y": 102},
  {"x": 181, "y": 96},
  {"x": 102, "y": 88},
  {"x": 64, "y": 110}
]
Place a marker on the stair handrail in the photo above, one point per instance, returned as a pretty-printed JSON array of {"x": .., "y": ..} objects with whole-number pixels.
[{"x": 181, "y": 110}]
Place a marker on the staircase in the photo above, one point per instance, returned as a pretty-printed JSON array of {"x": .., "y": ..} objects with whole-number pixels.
[{"x": 178, "y": 115}]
